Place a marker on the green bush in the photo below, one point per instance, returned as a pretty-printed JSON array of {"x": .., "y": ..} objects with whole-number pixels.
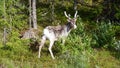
[{"x": 103, "y": 35}]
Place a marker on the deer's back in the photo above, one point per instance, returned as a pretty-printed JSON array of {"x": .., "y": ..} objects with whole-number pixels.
[{"x": 54, "y": 31}]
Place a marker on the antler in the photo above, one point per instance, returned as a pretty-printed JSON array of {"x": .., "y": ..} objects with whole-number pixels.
[
  {"x": 68, "y": 16},
  {"x": 75, "y": 16}
]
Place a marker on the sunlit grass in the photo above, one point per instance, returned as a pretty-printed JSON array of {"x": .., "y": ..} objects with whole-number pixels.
[{"x": 103, "y": 59}]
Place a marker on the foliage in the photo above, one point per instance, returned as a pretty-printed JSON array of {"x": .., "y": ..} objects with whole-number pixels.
[
  {"x": 104, "y": 34},
  {"x": 12, "y": 15}
]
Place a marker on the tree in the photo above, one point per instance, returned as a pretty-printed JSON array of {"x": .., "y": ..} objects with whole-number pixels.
[
  {"x": 34, "y": 14},
  {"x": 110, "y": 11},
  {"x": 30, "y": 24},
  {"x": 30, "y": 33},
  {"x": 75, "y": 4}
]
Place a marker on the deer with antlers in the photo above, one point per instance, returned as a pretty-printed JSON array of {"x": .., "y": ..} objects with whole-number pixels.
[{"x": 53, "y": 33}]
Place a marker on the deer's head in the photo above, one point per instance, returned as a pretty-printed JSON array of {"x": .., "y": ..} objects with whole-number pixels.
[{"x": 72, "y": 21}]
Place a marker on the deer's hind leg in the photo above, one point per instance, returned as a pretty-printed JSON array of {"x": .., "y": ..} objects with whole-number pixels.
[
  {"x": 41, "y": 44},
  {"x": 50, "y": 48}
]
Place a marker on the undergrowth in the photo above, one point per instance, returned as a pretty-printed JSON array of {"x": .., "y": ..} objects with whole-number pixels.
[{"x": 79, "y": 51}]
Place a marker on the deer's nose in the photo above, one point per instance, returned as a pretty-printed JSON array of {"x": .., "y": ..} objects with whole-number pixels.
[{"x": 75, "y": 26}]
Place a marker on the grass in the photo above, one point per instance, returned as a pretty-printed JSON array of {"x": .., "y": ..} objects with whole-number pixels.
[
  {"x": 103, "y": 59},
  {"x": 99, "y": 58}
]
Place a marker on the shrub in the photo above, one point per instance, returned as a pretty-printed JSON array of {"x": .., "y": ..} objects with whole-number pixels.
[{"x": 103, "y": 35}]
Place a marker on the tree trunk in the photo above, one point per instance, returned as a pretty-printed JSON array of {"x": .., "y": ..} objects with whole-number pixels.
[
  {"x": 34, "y": 14},
  {"x": 30, "y": 25},
  {"x": 4, "y": 33},
  {"x": 53, "y": 10},
  {"x": 75, "y": 4},
  {"x": 5, "y": 12}
]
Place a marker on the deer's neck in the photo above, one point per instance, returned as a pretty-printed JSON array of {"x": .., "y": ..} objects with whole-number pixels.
[{"x": 68, "y": 27}]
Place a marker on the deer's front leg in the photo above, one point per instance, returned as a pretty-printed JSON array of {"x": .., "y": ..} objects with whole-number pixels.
[{"x": 50, "y": 48}]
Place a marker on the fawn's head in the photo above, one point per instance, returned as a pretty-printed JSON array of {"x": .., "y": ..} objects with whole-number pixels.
[{"x": 70, "y": 20}]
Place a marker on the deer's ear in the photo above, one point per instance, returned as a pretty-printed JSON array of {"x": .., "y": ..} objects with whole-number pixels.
[{"x": 75, "y": 19}]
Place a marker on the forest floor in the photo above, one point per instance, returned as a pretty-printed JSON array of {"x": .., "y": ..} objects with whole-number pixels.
[{"x": 101, "y": 59}]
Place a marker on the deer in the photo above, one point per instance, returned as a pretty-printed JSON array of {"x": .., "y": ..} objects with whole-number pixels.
[{"x": 54, "y": 33}]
